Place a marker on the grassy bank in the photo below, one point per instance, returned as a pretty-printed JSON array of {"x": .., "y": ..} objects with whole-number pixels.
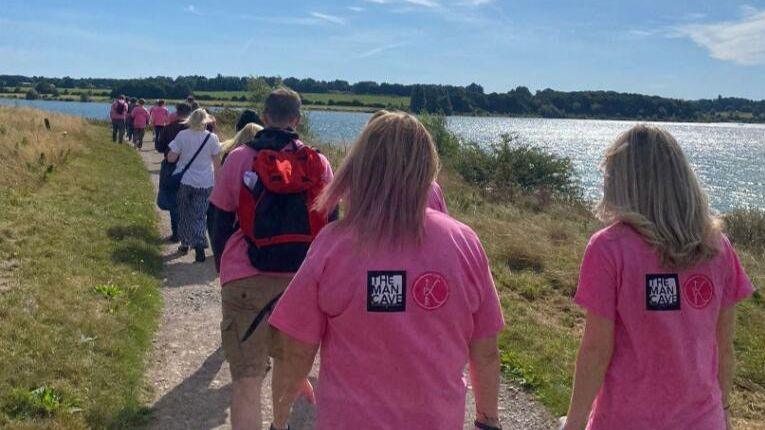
[{"x": 80, "y": 267}]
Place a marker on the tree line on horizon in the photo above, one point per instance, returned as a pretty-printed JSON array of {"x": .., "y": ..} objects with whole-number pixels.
[{"x": 439, "y": 99}]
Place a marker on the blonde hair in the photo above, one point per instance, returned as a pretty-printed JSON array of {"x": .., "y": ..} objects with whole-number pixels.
[
  {"x": 245, "y": 135},
  {"x": 198, "y": 120},
  {"x": 649, "y": 185},
  {"x": 384, "y": 181}
]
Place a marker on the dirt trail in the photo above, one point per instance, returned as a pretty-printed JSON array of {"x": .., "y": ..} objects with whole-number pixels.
[{"x": 188, "y": 375}]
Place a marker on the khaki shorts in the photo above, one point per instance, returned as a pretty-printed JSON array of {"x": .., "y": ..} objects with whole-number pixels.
[{"x": 242, "y": 302}]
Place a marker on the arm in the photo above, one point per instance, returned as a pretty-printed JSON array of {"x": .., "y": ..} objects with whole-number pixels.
[
  {"x": 222, "y": 229},
  {"x": 291, "y": 368},
  {"x": 726, "y": 328},
  {"x": 484, "y": 374},
  {"x": 591, "y": 366},
  {"x": 173, "y": 156}
]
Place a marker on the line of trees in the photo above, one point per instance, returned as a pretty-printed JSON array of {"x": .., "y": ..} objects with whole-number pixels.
[
  {"x": 444, "y": 99},
  {"x": 580, "y": 104}
]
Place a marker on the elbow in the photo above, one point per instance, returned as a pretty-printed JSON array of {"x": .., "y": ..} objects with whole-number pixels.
[{"x": 485, "y": 357}]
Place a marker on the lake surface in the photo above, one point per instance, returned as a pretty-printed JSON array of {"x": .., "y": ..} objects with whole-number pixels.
[{"x": 729, "y": 158}]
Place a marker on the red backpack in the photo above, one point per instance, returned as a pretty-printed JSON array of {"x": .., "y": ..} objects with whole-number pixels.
[{"x": 276, "y": 215}]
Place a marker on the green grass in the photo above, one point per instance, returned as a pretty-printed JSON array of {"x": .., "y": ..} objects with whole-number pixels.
[
  {"x": 396, "y": 102},
  {"x": 79, "y": 301}
]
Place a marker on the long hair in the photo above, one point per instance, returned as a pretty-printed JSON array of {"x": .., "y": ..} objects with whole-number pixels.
[
  {"x": 244, "y": 136},
  {"x": 384, "y": 181},
  {"x": 198, "y": 120},
  {"x": 649, "y": 185}
]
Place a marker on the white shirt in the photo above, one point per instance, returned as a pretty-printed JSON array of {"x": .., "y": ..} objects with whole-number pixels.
[{"x": 186, "y": 143}]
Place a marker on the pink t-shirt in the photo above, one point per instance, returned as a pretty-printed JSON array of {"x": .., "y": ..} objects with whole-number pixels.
[
  {"x": 663, "y": 372},
  {"x": 235, "y": 263},
  {"x": 114, "y": 114},
  {"x": 172, "y": 117},
  {"x": 394, "y": 325},
  {"x": 159, "y": 115},
  {"x": 140, "y": 117}
]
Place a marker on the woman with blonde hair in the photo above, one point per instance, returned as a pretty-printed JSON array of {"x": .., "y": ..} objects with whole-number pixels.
[
  {"x": 197, "y": 154},
  {"x": 399, "y": 296},
  {"x": 243, "y": 137},
  {"x": 659, "y": 287}
]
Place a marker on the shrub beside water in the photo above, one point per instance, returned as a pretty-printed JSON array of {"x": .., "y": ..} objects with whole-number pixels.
[{"x": 508, "y": 168}]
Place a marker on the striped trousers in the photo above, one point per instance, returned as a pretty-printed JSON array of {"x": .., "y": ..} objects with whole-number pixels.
[{"x": 192, "y": 215}]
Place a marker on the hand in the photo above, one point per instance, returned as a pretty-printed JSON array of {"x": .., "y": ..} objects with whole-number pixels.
[
  {"x": 565, "y": 424},
  {"x": 306, "y": 390}
]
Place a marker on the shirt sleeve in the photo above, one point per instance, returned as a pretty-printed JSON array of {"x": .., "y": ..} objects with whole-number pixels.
[
  {"x": 328, "y": 174},
  {"x": 215, "y": 149},
  {"x": 488, "y": 319},
  {"x": 738, "y": 286},
  {"x": 298, "y": 313},
  {"x": 175, "y": 146},
  {"x": 225, "y": 195},
  {"x": 597, "y": 290}
]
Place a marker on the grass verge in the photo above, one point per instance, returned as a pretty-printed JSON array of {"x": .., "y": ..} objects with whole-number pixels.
[{"x": 79, "y": 295}]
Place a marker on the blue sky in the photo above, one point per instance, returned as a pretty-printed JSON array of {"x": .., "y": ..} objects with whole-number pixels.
[{"x": 676, "y": 48}]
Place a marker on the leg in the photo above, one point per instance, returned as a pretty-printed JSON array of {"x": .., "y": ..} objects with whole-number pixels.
[
  {"x": 200, "y": 204},
  {"x": 114, "y": 131},
  {"x": 174, "y": 215},
  {"x": 246, "y": 404},
  {"x": 122, "y": 131},
  {"x": 184, "y": 215},
  {"x": 248, "y": 357}
]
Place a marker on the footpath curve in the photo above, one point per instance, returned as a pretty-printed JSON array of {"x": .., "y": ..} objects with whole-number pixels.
[{"x": 189, "y": 379}]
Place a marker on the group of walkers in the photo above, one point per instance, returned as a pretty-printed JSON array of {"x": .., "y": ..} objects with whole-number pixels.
[
  {"x": 130, "y": 118},
  {"x": 399, "y": 298}
]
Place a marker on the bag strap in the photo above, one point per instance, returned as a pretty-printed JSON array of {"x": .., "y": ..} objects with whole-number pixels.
[{"x": 188, "y": 165}]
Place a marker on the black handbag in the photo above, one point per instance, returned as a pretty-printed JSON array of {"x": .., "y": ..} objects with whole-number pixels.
[{"x": 169, "y": 182}]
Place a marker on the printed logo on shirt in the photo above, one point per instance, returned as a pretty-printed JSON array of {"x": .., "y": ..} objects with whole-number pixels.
[
  {"x": 662, "y": 292},
  {"x": 699, "y": 291},
  {"x": 430, "y": 291},
  {"x": 386, "y": 291}
]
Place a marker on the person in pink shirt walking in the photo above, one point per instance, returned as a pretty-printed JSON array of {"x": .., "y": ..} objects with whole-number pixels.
[
  {"x": 158, "y": 118},
  {"x": 399, "y": 297},
  {"x": 659, "y": 286},
  {"x": 118, "y": 113},
  {"x": 140, "y": 118}
]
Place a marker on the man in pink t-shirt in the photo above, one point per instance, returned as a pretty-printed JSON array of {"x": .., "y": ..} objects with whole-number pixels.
[
  {"x": 248, "y": 293},
  {"x": 140, "y": 118},
  {"x": 158, "y": 118},
  {"x": 117, "y": 113}
]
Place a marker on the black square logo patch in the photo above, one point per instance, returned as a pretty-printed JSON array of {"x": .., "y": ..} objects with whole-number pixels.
[
  {"x": 662, "y": 292},
  {"x": 386, "y": 291}
]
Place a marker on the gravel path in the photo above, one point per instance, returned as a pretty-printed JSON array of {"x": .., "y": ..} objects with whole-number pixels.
[{"x": 187, "y": 373}]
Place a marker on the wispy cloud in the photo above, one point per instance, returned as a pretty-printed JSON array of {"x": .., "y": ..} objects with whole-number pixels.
[
  {"x": 328, "y": 18},
  {"x": 192, "y": 10},
  {"x": 378, "y": 1},
  {"x": 356, "y": 8},
  {"x": 741, "y": 41},
  {"x": 425, "y": 3},
  {"x": 380, "y": 49}
]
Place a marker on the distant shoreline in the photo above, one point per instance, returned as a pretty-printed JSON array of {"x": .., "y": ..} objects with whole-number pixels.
[{"x": 226, "y": 104}]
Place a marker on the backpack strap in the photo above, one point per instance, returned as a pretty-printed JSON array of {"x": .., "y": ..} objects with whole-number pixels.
[{"x": 188, "y": 165}]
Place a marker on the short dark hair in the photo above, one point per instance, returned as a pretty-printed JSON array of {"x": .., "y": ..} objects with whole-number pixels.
[
  {"x": 161, "y": 102},
  {"x": 283, "y": 105},
  {"x": 190, "y": 98},
  {"x": 133, "y": 100},
  {"x": 183, "y": 109},
  {"x": 141, "y": 101},
  {"x": 248, "y": 116},
  {"x": 194, "y": 106}
]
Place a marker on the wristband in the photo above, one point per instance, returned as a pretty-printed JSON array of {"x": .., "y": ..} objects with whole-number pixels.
[{"x": 483, "y": 426}]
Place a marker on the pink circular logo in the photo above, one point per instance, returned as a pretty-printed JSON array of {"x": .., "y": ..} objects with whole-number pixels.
[
  {"x": 430, "y": 291},
  {"x": 699, "y": 291}
]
